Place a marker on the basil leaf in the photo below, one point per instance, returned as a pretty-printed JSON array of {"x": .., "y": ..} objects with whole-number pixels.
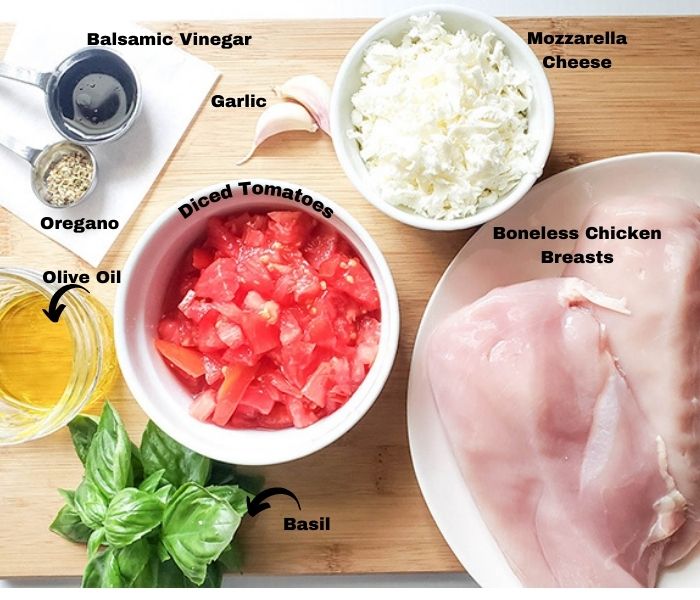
[
  {"x": 69, "y": 497},
  {"x": 231, "y": 559},
  {"x": 222, "y": 473},
  {"x": 131, "y": 514},
  {"x": 132, "y": 561},
  {"x": 225, "y": 474},
  {"x": 234, "y": 495},
  {"x": 197, "y": 527},
  {"x": 95, "y": 541},
  {"x": 162, "y": 551},
  {"x": 150, "y": 484},
  {"x": 68, "y": 525},
  {"x": 90, "y": 504},
  {"x": 136, "y": 465},
  {"x": 148, "y": 577},
  {"x": 108, "y": 462},
  {"x": 213, "y": 578},
  {"x": 102, "y": 571},
  {"x": 170, "y": 576},
  {"x": 182, "y": 465},
  {"x": 82, "y": 429},
  {"x": 253, "y": 483},
  {"x": 165, "y": 493}
]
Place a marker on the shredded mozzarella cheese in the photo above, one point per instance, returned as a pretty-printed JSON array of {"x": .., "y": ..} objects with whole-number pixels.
[{"x": 442, "y": 120}]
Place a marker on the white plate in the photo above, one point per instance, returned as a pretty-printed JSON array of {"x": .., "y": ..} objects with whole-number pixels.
[{"x": 561, "y": 201}]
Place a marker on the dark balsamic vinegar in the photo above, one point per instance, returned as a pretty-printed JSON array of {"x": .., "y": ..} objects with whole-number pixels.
[
  {"x": 99, "y": 103},
  {"x": 96, "y": 95}
]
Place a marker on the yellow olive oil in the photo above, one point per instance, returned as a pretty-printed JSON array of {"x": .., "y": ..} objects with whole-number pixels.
[{"x": 36, "y": 355}]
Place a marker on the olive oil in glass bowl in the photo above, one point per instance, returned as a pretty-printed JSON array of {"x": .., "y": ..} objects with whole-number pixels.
[{"x": 49, "y": 372}]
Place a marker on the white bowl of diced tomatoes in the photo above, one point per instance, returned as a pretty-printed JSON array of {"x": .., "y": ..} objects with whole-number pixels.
[{"x": 260, "y": 328}]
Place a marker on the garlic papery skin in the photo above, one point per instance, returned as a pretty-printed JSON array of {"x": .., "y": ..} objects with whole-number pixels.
[
  {"x": 278, "y": 118},
  {"x": 313, "y": 93}
]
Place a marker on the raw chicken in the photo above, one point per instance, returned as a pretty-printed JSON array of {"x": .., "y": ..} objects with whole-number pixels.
[
  {"x": 567, "y": 473},
  {"x": 658, "y": 349}
]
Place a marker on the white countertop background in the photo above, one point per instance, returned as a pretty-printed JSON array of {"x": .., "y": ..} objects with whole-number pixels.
[{"x": 320, "y": 9}]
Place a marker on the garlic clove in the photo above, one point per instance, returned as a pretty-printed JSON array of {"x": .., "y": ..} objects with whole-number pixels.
[
  {"x": 278, "y": 118},
  {"x": 313, "y": 93}
]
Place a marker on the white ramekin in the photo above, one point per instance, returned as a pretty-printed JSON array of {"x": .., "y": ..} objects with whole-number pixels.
[
  {"x": 393, "y": 28},
  {"x": 138, "y": 309}
]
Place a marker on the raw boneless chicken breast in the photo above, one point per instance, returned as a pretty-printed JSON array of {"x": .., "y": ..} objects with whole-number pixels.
[
  {"x": 575, "y": 418},
  {"x": 568, "y": 472},
  {"x": 658, "y": 346}
]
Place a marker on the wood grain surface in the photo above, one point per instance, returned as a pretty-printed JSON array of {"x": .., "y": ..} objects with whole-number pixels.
[{"x": 649, "y": 100}]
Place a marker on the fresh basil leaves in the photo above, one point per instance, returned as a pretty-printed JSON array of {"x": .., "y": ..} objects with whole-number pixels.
[
  {"x": 156, "y": 516},
  {"x": 182, "y": 465}
]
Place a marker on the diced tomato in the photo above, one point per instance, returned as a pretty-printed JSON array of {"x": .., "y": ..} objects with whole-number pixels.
[
  {"x": 345, "y": 332},
  {"x": 229, "y": 333},
  {"x": 190, "y": 361},
  {"x": 318, "y": 384},
  {"x": 254, "y": 237},
  {"x": 302, "y": 415},
  {"x": 258, "y": 399},
  {"x": 253, "y": 301},
  {"x": 208, "y": 339},
  {"x": 353, "y": 279},
  {"x": 194, "y": 308},
  {"x": 230, "y": 310},
  {"x": 178, "y": 330},
  {"x": 367, "y": 340},
  {"x": 253, "y": 275},
  {"x": 212, "y": 369},
  {"x": 194, "y": 385},
  {"x": 258, "y": 222},
  {"x": 358, "y": 370},
  {"x": 270, "y": 390},
  {"x": 343, "y": 386},
  {"x": 320, "y": 331},
  {"x": 237, "y": 378},
  {"x": 279, "y": 418},
  {"x": 297, "y": 361},
  {"x": 202, "y": 258},
  {"x": 187, "y": 282},
  {"x": 261, "y": 335},
  {"x": 290, "y": 331},
  {"x": 203, "y": 405},
  {"x": 290, "y": 227},
  {"x": 270, "y": 322},
  {"x": 221, "y": 238},
  {"x": 329, "y": 267},
  {"x": 218, "y": 282},
  {"x": 321, "y": 246},
  {"x": 242, "y": 355},
  {"x": 280, "y": 382}
]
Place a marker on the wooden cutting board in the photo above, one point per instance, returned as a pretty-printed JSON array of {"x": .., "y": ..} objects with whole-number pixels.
[{"x": 649, "y": 100}]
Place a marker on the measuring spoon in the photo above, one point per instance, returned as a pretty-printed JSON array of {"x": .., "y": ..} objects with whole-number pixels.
[
  {"x": 93, "y": 96},
  {"x": 42, "y": 161}
]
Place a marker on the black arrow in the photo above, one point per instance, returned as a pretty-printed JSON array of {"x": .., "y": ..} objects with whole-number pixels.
[
  {"x": 257, "y": 504},
  {"x": 55, "y": 309}
]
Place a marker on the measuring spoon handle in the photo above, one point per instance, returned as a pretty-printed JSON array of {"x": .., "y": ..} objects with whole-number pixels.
[
  {"x": 26, "y": 152},
  {"x": 24, "y": 75}
]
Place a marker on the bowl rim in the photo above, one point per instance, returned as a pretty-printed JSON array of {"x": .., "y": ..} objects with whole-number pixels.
[
  {"x": 383, "y": 365},
  {"x": 541, "y": 90}
]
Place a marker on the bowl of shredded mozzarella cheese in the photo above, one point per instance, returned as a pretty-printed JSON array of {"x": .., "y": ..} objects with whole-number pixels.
[{"x": 442, "y": 117}]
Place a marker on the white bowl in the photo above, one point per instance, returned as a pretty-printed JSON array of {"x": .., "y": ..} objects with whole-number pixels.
[
  {"x": 138, "y": 309},
  {"x": 348, "y": 81}
]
